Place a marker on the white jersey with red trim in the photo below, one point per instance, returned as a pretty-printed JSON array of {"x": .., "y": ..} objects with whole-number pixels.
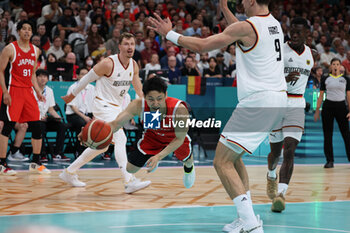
[
  {"x": 301, "y": 63},
  {"x": 260, "y": 67},
  {"x": 111, "y": 89}
]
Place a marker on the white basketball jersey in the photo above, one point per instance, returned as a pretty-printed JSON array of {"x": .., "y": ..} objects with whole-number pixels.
[
  {"x": 302, "y": 63},
  {"x": 113, "y": 88},
  {"x": 260, "y": 67}
]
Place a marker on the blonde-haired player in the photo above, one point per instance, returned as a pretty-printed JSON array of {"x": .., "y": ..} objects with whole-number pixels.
[{"x": 113, "y": 76}]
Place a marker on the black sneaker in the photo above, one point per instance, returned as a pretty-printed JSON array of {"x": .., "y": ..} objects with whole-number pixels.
[{"x": 329, "y": 165}]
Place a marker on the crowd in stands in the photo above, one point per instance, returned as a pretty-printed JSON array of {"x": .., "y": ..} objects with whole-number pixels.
[
  {"x": 77, "y": 34},
  {"x": 81, "y": 31}
]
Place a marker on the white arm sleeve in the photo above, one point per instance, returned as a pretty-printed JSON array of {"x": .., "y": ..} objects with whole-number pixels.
[{"x": 91, "y": 76}]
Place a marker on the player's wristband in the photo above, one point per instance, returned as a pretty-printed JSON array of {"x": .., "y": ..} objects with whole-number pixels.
[{"x": 173, "y": 36}]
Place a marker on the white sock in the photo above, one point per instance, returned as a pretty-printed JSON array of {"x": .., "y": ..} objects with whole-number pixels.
[
  {"x": 245, "y": 211},
  {"x": 249, "y": 197},
  {"x": 87, "y": 155},
  {"x": 272, "y": 173},
  {"x": 120, "y": 154},
  {"x": 282, "y": 188}
]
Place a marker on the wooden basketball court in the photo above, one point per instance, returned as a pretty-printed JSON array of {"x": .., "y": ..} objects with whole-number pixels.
[{"x": 312, "y": 189}]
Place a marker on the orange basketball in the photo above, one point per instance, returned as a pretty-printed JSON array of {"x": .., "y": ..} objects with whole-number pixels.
[{"x": 97, "y": 134}]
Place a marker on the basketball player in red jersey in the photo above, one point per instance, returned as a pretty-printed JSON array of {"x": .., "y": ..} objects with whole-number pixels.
[
  {"x": 157, "y": 143},
  {"x": 17, "y": 79}
]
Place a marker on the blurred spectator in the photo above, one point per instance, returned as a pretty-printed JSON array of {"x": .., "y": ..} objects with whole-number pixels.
[
  {"x": 53, "y": 121},
  {"x": 221, "y": 65},
  {"x": 51, "y": 58},
  {"x": 56, "y": 47},
  {"x": 340, "y": 53},
  {"x": 327, "y": 56},
  {"x": 194, "y": 29},
  {"x": 190, "y": 68},
  {"x": 320, "y": 46},
  {"x": 83, "y": 21},
  {"x": 151, "y": 34},
  {"x": 174, "y": 72},
  {"x": 153, "y": 65},
  {"x": 33, "y": 8},
  {"x": 4, "y": 29},
  {"x": 22, "y": 16},
  {"x": 101, "y": 25},
  {"x": 226, "y": 55},
  {"x": 67, "y": 48},
  {"x": 79, "y": 112},
  {"x": 49, "y": 15},
  {"x": 41, "y": 62},
  {"x": 232, "y": 51},
  {"x": 10, "y": 23},
  {"x": 140, "y": 45},
  {"x": 147, "y": 52},
  {"x": 203, "y": 62},
  {"x": 316, "y": 76},
  {"x": 164, "y": 60},
  {"x": 205, "y": 32},
  {"x": 346, "y": 63},
  {"x": 181, "y": 56},
  {"x": 88, "y": 63},
  {"x": 112, "y": 44},
  {"x": 94, "y": 40},
  {"x": 213, "y": 70},
  {"x": 66, "y": 24},
  {"x": 220, "y": 27},
  {"x": 44, "y": 40},
  {"x": 71, "y": 58}
]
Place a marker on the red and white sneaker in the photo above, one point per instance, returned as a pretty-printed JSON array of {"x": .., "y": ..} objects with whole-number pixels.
[
  {"x": 106, "y": 157},
  {"x": 6, "y": 170},
  {"x": 60, "y": 158},
  {"x": 38, "y": 168}
]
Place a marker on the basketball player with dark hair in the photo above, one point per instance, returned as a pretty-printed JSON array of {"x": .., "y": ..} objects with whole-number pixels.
[
  {"x": 261, "y": 93},
  {"x": 17, "y": 79},
  {"x": 298, "y": 62},
  {"x": 113, "y": 76},
  {"x": 156, "y": 143}
]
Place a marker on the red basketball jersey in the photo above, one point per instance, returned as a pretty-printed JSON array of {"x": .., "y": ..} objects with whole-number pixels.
[
  {"x": 155, "y": 140},
  {"x": 22, "y": 66}
]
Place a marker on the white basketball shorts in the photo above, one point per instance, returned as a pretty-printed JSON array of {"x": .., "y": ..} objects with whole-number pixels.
[
  {"x": 292, "y": 124},
  {"x": 253, "y": 119}
]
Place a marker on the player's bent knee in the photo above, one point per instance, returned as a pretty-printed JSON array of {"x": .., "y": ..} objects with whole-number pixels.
[
  {"x": 36, "y": 129},
  {"x": 7, "y": 128}
]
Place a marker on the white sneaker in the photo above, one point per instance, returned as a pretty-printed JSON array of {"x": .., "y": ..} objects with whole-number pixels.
[
  {"x": 71, "y": 179},
  {"x": 256, "y": 229},
  {"x": 236, "y": 223},
  {"x": 38, "y": 168},
  {"x": 18, "y": 156},
  {"x": 135, "y": 185},
  {"x": 189, "y": 178},
  {"x": 6, "y": 170}
]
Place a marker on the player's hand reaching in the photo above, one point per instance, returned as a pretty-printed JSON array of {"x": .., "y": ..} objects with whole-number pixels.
[
  {"x": 41, "y": 98},
  {"x": 152, "y": 163},
  {"x": 7, "y": 99},
  {"x": 68, "y": 98},
  {"x": 317, "y": 115},
  {"x": 292, "y": 76},
  {"x": 162, "y": 26}
]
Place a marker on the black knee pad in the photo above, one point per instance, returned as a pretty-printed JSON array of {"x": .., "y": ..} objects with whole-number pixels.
[
  {"x": 8, "y": 127},
  {"x": 36, "y": 129}
]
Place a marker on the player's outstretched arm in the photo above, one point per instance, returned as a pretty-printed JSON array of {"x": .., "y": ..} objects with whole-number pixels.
[
  {"x": 133, "y": 109},
  {"x": 229, "y": 16},
  {"x": 242, "y": 31},
  {"x": 103, "y": 68},
  {"x": 181, "y": 130},
  {"x": 6, "y": 55}
]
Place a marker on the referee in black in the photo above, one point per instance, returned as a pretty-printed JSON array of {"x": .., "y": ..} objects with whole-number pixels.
[{"x": 337, "y": 87}]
